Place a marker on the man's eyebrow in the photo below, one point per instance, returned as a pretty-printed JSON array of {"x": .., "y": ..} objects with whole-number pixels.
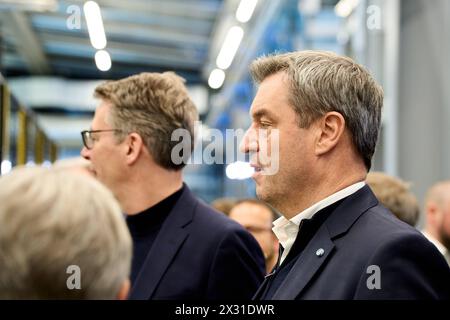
[{"x": 261, "y": 113}]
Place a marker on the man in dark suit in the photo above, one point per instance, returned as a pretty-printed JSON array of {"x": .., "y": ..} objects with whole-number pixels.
[
  {"x": 315, "y": 119},
  {"x": 183, "y": 249}
]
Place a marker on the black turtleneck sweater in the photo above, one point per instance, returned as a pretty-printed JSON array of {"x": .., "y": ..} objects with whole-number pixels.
[{"x": 144, "y": 228}]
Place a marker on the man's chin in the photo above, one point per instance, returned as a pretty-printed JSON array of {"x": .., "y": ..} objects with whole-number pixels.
[
  {"x": 261, "y": 194},
  {"x": 445, "y": 240}
]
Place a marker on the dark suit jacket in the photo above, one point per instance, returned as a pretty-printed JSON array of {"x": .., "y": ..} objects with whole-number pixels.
[
  {"x": 200, "y": 254},
  {"x": 358, "y": 234}
]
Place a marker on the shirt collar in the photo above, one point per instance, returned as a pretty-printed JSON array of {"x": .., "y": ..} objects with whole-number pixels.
[
  {"x": 286, "y": 229},
  {"x": 442, "y": 249}
]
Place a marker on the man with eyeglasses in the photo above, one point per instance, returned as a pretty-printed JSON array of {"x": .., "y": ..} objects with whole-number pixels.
[{"x": 183, "y": 249}]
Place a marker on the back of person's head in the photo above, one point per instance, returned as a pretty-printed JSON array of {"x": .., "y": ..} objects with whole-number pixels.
[
  {"x": 438, "y": 194},
  {"x": 75, "y": 164},
  {"x": 223, "y": 205},
  {"x": 321, "y": 82},
  {"x": 395, "y": 195},
  {"x": 256, "y": 202},
  {"x": 53, "y": 223},
  {"x": 437, "y": 210},
  {"x": 153, "y": 105}
]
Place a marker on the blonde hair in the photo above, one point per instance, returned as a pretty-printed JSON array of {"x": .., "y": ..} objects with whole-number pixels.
[
  {"x": 321, "y": 82},
  {"x": 395, "y": 195},
  {"x": 77, "y": 164},
  {"x": 153, "y": 105},
  {"x": 53, "y": 219},
  {"x": 68, "y": 163}
]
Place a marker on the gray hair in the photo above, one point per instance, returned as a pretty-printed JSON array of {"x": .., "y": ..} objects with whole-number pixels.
[
  {"x": 322, "y": 82},
  {"x": 51, "y": 220},
  {"x": 76, "y": 164}
]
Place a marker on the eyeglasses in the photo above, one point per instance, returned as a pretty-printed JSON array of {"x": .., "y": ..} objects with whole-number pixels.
[{"x": 88, "y": 139}]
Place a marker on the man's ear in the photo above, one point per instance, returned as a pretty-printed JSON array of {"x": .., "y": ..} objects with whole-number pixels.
[
  {"x": 134, "y": 145},
  {"x": 330, "y": 130},
  {"x": 124, "y": 290}
]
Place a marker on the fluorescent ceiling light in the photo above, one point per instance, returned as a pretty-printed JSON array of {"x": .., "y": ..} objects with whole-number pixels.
[
  {"x": 245, "y": 10},
  {"x": 216, "y": 78},
  {"x": 229, "y": 47},
  {"x": 103, "y": 60},
  {"x": 345, "y": 7},
  {"x": 94, "y": 23}
]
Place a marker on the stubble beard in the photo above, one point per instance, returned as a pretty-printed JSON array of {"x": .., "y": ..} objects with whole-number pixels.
[{"x": 445, "y": 238}]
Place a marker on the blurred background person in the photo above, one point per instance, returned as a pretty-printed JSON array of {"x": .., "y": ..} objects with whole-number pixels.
[
  {"x": 52, "y": 221},
  {"x": 437, "y": 215},
  {"x": 395, "y": 195},
  {"x": 224, "y": 205},
  {"x": 257, "y": 218}
]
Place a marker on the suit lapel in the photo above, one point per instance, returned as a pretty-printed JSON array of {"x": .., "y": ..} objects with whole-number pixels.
[
  {"x": 262, "y": 288},
  {"x": 312, "y": 258},
  {"x": 167, "y": 243}
]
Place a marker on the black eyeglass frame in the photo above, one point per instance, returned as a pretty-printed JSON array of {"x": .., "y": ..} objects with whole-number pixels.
[{"x": 85, "y": 133}]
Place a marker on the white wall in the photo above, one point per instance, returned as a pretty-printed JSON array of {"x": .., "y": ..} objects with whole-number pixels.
[{"x": 424, "y": 93}]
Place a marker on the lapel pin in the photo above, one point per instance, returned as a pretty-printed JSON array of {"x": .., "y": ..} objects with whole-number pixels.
[{"x": 320, "y": 252}]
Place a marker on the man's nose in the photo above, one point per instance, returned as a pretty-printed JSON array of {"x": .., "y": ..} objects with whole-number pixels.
[
  {"x": 249, "y": 142},
  {"x": 85, "y": 153}
]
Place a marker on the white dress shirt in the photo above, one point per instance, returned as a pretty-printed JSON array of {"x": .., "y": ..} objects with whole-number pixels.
[
  {"x": 286, "y": 230},
  {"x": 442, "y": 249}
]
